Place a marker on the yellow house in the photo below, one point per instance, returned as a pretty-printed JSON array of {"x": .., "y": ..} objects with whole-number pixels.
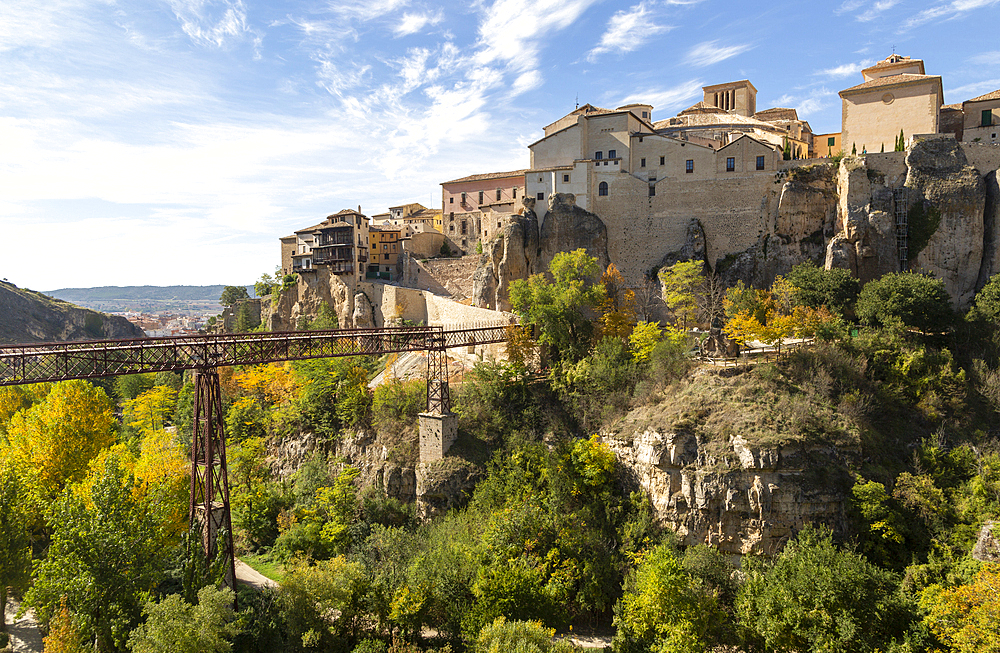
[{"x": 385, "y": 250}]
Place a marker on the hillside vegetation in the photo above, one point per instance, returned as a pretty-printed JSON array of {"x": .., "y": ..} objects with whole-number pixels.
[
  {"x": 555, "y": 533},
  {"x": 29, "y": 316}
]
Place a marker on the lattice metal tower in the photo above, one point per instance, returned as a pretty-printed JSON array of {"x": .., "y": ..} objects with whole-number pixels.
[{"x": 209, "y": 513}]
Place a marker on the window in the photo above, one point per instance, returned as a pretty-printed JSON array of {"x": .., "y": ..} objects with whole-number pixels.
[
  {"x": 451, "y": 228},
  {"x": 642, "y": 163},
  {"x": 451, "y": 200},
  {"x": 730, "y": 163},
  {"x": 663, "y": 160},
  {"x": 645, "y": 114},
  {"x": 465, "y": 227},
  {"x": 498, "y": 224},
  {"x": 987, "y": 118},
  {"x": 541, "y": 196},
  {"x": 451, "y": 215},
  {"x": 515, "y": 192},
  {"x": 566, "y": 179},
  {"x": 602, "y": 189},
  {"x": 640, "y": 139},
  {"x": 652, "y": 190},
  {"x": 386, "y": 256},
  {"x": 597, "y": 155},
  {"x": 831, "y": 141},
  {"x": 689, "y": 166},
  {"x": 760, "y": 163},
  {"x": 612, "y": 154},
  {"x": 480, "y": 197},
  {"x": 463, "y": 198},
  {"x": 498, "y": 194}
]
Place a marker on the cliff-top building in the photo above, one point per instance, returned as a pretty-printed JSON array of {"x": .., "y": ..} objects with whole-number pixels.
[
  {"x": 339, "y": 243},
  {"x": 474, "y": 207}
]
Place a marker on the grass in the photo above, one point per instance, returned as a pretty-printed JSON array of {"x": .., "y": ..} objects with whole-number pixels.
[{"x": 265, "y": 565}]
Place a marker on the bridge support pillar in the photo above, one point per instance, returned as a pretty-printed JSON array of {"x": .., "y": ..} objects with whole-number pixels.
[
  {"x": 209, "y": 514},
  {"x": 438, "y": 426}
]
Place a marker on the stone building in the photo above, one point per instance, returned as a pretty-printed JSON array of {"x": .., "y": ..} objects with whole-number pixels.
[
  {"x": 896, "y": 95},
  {"x": 473, "y": 206},
  {"x": 386, "y": 247},
  {"x": 339, "y": 243},
  {"x": 981, "y": 116}
]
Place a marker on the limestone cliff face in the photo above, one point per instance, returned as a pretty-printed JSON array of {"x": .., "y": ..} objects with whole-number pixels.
[
  {"x": 951, "y": 197},
  {"x": 523, "y": 248},
  {"x": 951, "y": 210},
  {"x": 28, "y": 316},
  {"x": 312, "y": 291}
]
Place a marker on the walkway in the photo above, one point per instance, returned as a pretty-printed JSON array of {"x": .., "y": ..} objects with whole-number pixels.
[{"x": 24, "y": 634}]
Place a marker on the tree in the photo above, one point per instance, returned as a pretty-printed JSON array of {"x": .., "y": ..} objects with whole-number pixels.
[
  {"x": 815, "y": 287},
  {"x": 504, "y": 636},
  {"x": 151, "y": 410},
  {"x": 908, "y": 300},
  {"x": 814, "y": 597},
  {"x": 559, "y": 307},
  {"x": 15, "y": 544},
  {"x": 64, "y": 636},
  {"x": 967, "y": 617},
  {"x": 55, "y": 439},
  {"x": 618, "y": 307},
  {"x": 681, "y": 282},
  {"x": 233, "y": 294},
  {"x": 246, "y": 318},
  {"x": 175, "y": 625},
  {"x": 322, "y": 602},
  {"x": 786, "y": 151},
  {"x": 710, "y": 298},
  {"x": 647, "y": 300},
  {"x": 107, "y": 552},
  {"x": 663, "y": 608},
  {"x": 644, "y": 339}
]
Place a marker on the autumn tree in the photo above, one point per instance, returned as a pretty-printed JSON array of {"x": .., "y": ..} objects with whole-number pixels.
[
  {"x": 106, "y": 554},
  {"x": 64, "y": 636},
  {"x": 680, "y": 284},
  {"x": 151, "y": 410},
  {"x": 618, "y": 306},
  {"x": 54, "y": 440}
]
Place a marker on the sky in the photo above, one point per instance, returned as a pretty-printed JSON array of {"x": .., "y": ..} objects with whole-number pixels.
[{"x": 173, "y": 142}]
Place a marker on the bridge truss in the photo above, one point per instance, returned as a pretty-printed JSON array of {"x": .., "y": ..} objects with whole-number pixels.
[{"x": 209, "y": 504}]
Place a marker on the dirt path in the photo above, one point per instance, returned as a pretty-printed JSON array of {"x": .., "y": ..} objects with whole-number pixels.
[
  {"x": 250, "y": 576},
  {"x": 24, "y": 634}
]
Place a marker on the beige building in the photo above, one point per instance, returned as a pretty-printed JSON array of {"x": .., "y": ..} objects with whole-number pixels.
[
  {"x": 982, "y": 119},
  {"x": 896, "y": 95},
  {"x": 471, "y": 205}
]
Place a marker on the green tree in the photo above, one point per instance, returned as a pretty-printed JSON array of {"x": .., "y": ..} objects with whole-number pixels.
[
  {"x": 814, "y": 597},
  {"x": 663, "y": 609},
  {"x": 907, "y": 300},
  {"x": 15, "y": 545},
  {"x": 815, "y": 287},
  {"x": 246, "y": 318},
  {"x": 323, "y": 602},
  {"x": 106, "y": 554},
  {"x": 560, "y": 308},
  {"x": 681, "y": 283},
  {"x": 173, "y": 624},
  {"x": 504, "y": 636},
  {"x": 233, "y": 294}
]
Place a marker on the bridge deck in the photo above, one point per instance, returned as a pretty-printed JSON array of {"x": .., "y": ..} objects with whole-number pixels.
[{"x": 34, "y": 363}]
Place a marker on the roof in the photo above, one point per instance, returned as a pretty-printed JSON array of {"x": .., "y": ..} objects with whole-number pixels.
[
  {"x": 777, "y": 113},
  {"x": 735, "y": 84},
  {"x": 328, "y": 224},
  {"x": 953, "y": 107},
  {"x": 895, "y": 60},
  {"x": 995, "y": 95},
  {"x": 769, "y": 146},
  {"x": 893, "y": 80},
  {"x": 488, "y": 175},
  {"x": 407, "y": 206}
]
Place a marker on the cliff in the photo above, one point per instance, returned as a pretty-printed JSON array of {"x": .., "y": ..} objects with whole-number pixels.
[
  {"x": 732, "y": 460},
  {"x": 28, "y": 316}
]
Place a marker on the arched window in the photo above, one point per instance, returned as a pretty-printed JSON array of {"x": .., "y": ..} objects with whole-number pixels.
[{"x": 602, "y": 189}]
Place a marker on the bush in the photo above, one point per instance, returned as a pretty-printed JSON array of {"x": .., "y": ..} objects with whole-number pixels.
[
  {"x": 504, "y": 636},
  {"x": 396, "y": 404},
  {"x": 908, "y": 300}
]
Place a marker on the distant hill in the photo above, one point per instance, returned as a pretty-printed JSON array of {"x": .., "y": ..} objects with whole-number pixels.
[
  {"x": 142, "y": 293},
  {"x": 29, "y": 316}
]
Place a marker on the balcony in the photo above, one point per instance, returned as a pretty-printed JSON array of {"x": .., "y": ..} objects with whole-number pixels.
[{"x": 333, "y": 254}]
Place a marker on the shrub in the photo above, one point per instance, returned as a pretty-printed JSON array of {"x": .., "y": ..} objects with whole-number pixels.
[
  {"x": 906, "y": 299},
  {"x": 396, "y": 403},
  {"x": 504, "y": 636}
]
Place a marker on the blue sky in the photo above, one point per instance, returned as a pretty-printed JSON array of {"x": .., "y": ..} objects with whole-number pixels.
[{"x": 174, "y": 141}]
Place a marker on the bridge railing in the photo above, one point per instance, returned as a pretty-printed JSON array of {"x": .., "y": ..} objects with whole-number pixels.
[{"x": 32, "y": 363}]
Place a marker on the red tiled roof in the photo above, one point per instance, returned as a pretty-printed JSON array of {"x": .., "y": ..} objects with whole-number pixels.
[
  {"x": 488, "y": 175},
  {"x": 995, "y": 95},
  {"x": 892, "y": 80}
]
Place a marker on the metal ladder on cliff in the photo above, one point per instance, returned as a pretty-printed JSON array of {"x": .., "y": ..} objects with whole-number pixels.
[{"x": 902, "y": 228}]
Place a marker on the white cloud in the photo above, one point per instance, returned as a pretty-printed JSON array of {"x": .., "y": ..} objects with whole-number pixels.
[
  {"x": 669, "y": 99},
  {"x": 969, "y": 91},
  {"x": 710, "y": 52},
  {"x": 876, "y": 10},
  {"x": 947, "y": 11},
  {"x": 212, "y": 22},
  {"x": 814, "y": 101},
  {"x": 366, "y": 9},
  {"x": 987, "y": 58},
  {"x": 414, "y": 23},
  {"x": 845, "y": 70},
  {"x": 628, "y": 30}
]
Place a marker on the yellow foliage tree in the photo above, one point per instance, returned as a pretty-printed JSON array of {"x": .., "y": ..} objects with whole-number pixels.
[
  {"x": 274, "y": 383},
  {"x": 967, "y": 617},
  {"x": 64, "y": 636},
  {"x": 149, "y": 411},
  {"x": 520, "y": 346},
  {"x": 644, "y": 339},
  {"x": 618, "y": 306},
  {"x": 14, "y": 398},
  {"x": 55, "y": 439},
  {"x": 681, "y": 283}
]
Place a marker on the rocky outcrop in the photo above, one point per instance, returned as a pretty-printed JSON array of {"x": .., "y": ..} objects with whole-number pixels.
[
  {"x": 364, "y": 313},
  {"x": 28, "y": 316},
  {"x": 987, "y": 547},
  {"x": 947, "y": 200},
  {"x": 991, "y": 230},
  {"x": 313, "y": 290},
  {"x": 865, "y": 242},
  {"x": 745, "y": 499},
  {"x": 693, "y": 248},
  {"x": 522, "y": 248}
]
